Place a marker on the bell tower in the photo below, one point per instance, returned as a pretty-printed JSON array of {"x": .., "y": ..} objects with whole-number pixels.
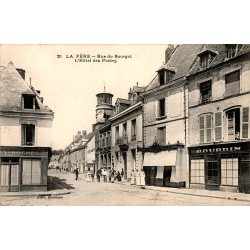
[{"x": 104, "y": 107}]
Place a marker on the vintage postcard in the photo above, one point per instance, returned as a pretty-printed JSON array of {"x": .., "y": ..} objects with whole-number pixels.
[{"x": 125, "y": 125}]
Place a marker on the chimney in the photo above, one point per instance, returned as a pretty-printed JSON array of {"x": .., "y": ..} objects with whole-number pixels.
[
  {"x": 93, "y": 127},
  {"x": 168, "y": 52},
  {"x": 130, "y": 94},
  {"x": 21, "y": 73},
  {"x": 84, "y": 132}
]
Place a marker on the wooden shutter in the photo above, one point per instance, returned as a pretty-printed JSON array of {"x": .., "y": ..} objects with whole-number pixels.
[
  {"x": 232, "y": 83},
  {"x": 23, "y": 132},
  {"x": 218, "y": 126},
  {"x": 245, "y": 121},
  {"x": 208, "y": 128},
  {"x": 202, "y": 129}
]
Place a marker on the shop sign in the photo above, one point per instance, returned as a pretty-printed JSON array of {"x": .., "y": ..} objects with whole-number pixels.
[
  {"x": 215, "y": 150},
  {"x": 21, "y": 153}
]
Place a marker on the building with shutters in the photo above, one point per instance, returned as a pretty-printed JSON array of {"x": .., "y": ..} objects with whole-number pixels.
[
  {"x": 25, "y": 133},
  {"x": 219, "y": 101},
  {"x": 126, "y": 133},
  {"x": 165, "y": 123}
]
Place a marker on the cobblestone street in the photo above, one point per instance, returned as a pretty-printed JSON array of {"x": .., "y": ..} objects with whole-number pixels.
[{"x": 112, "y": 194}]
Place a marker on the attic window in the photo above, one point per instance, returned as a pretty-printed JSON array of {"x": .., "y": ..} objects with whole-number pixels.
[
  {"x": 29, "y": 102},
  {"x": 233, "y": 50},
  {"x": 165, "y": 76},
  {"x": 206, "y": 57}
]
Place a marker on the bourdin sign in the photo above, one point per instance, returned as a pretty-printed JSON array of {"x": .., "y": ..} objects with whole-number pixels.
[{"x": 215, "y": 150}]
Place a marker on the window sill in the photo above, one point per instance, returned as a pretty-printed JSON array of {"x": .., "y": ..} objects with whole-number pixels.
[{"x": 161, "y": 118}]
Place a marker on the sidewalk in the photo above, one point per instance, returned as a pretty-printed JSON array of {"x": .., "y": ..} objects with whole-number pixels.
[
  {"x": 59, "y": 191},
  {"x": 198, "y": 192}
]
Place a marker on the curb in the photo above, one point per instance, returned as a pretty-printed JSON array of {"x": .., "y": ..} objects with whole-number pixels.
[
  {"x": 191, "y": 194},
  {"x": 62, "y": 191}
]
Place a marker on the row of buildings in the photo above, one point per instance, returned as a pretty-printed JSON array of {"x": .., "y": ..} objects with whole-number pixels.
[{"x": 189, "y": 127}]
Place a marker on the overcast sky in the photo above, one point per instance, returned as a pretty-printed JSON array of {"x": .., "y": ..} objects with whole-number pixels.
[{"x": 69, "y": 88}]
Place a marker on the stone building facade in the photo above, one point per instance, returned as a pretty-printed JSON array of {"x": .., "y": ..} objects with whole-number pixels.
[
  {"x": 165, "y": 119},
  {"x": 219, "y": 102},
  {"x": 25, "y": 134}
]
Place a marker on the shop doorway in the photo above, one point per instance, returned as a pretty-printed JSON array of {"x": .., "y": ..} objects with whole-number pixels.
[
  {"x": 124, "y": 156},
  {"x": 244, "y": 184},
  {"x": 212, "y": 175},
  {"x": 9, "y": 181}
]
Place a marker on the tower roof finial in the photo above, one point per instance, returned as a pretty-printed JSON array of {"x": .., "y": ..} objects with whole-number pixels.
[{"x": 104, "y": 88}]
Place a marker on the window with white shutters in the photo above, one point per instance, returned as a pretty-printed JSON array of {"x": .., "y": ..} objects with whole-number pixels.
[
  {"x": 218, "y": 126},
  {"x": 245, "y": 121},
  {"x": 205, "y": 128}
]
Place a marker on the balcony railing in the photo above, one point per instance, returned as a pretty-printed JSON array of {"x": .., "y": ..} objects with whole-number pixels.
[{"x": 205, "y": 99}]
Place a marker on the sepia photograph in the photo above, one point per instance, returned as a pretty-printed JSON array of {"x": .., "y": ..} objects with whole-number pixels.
[{"x": 125, "y": 125}]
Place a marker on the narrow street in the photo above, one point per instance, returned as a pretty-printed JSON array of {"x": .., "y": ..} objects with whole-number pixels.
[{"x": 111, "y": 194}]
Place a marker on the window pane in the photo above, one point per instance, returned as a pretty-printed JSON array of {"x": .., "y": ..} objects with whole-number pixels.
[
  {"x": 36, "y": 172},
  {"x": 26, "y": 175},
  {"x": 223, "y": 181},
  {"x": 235, "y": 181}
]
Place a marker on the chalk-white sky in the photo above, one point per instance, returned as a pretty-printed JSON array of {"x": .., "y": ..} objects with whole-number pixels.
[{"x": 69, "y": 88}]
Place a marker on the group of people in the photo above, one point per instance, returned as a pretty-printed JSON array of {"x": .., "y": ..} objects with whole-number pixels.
[
  {"x": 138, "y": 178},
  {"x": 110, "y": 175}
]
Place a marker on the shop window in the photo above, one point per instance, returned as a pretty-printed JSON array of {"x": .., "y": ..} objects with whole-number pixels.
[
  {"x": 229, "y": 172},
  {"x": 205, "y": 128},
  {"x": 218, "y": 126},
  {"x": 28, "y": 134},
  {"x": 28, "y": 101},
  {"x": 233, "y": 50},
  {"x": 197, "y": 171},
  {"x": 205, "y": 92},
  {"x": 161, "y": 136},
  {"x": 31, "y": 172},
  {"x": 233, "y": 124},
  {"x": 232, "y": 83},
  {"x": 161, "y": 108},
  {"x": 133, "y": 129}
]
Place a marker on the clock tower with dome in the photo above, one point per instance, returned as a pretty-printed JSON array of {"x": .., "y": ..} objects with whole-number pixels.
[{"x": 104, "y": 107}]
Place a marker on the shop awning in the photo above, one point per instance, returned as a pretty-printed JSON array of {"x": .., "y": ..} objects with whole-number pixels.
[{"x": 164, "y": 158}]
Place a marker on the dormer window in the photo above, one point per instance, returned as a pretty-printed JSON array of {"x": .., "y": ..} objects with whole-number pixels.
[
  {"x": 165, "y": 74},
  {"x": 28, "y": 101},
  {"x": 206, "y": 57},
  {"x": 233, "y": 50}
]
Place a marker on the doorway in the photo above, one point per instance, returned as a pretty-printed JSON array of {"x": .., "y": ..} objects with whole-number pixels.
[
  {"x": 212, "y": 175},
  {"x": 124, "y": 156},
  {"x": 9, "y": 177}
]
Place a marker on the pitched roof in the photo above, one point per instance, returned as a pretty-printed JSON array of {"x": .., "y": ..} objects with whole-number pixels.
[
  {"x": 221, "y": 50},
  {"x": 181, "y": 61},
  {"x": 12, "y": 86},
  {"x": 124, "y": 101},
  {"x": 138, "y": 89}
]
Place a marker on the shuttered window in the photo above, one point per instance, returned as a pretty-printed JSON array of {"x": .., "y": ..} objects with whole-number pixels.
[
  {"x": 161, "y": 135},
  {"x": 206, "y": 128},
  {"x": 232, "y": 82},
  {"x": 245, "y": 121},
  {"x": 218, "y": 126}
]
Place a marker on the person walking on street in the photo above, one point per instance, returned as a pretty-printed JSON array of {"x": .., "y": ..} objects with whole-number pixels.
[
  {"x": 137, "y": 178},
  {"x": 142, "y": 179},
  {"x": 122, "y": 175},
  {"x": 76, "y": 173},
  {"x": 132, "y": 177}
]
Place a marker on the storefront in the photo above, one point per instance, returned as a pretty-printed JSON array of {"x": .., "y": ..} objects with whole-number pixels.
[
  {"x": 24, "y": 168},
  {"x": 224, "y": 167},
  {"x": 165, "y": 168}
]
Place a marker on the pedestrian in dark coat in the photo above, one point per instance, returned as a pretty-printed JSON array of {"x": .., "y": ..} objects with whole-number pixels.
[{"x": 76, "y": 173}]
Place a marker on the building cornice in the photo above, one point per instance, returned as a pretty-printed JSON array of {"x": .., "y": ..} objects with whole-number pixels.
[
  {"x": 28, "y": 115},
  {"x": 126, "y": 111}
]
